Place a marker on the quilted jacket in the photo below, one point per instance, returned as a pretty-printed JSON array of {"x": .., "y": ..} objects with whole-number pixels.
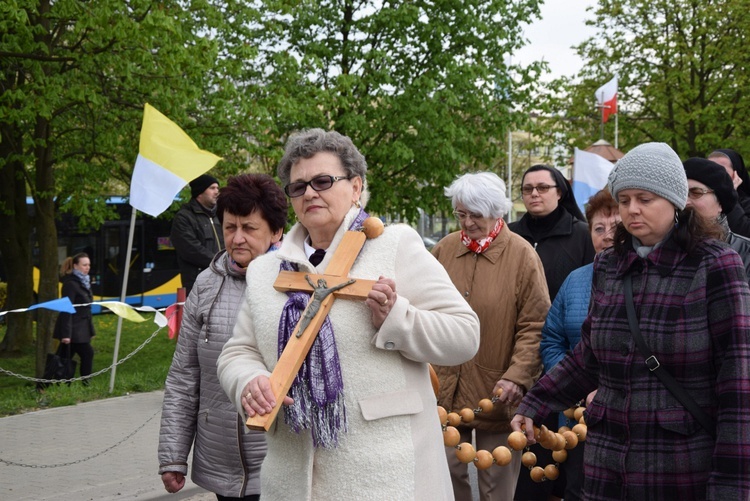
[
  {"x": 505, "y": 287},
  {"x": 226, "y": 458},
  {"x": 562, "y": 328}
]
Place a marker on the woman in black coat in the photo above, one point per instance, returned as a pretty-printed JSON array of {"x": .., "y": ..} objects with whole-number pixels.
[
  {"x": 553, "y": 225},
  {"x": 76, "y": 330}
]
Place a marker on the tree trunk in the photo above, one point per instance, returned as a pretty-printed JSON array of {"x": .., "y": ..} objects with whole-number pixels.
[
  {"x": 45, "y": 211},
  {"x": 47, "y": 240},
  {"x": 15, "y": 246}
]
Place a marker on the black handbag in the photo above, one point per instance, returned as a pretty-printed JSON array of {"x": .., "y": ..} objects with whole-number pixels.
[
  {"x": 59, "y": 365},
  {"x": 656, "y": 368}
]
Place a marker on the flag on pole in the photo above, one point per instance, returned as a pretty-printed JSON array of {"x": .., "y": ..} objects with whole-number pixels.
[
  {"x": 590, "y": 173},
  {"x": 606, "y": 97},
  {"x": 168, "y": 159}
]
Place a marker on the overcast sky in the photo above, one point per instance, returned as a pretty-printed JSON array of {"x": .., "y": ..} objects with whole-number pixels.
[{"x": 550, "y": 38}]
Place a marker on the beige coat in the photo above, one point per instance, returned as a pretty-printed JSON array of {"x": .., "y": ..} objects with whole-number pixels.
[
  {"x": 393, "y": 448},
  {"x": 506, "y": 288}
]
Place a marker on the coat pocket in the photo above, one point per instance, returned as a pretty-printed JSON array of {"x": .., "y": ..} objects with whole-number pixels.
[
  {"x": 594, "y": 414},
  {"x": 398, "y": 403},
  {"x": 677, "y": 420}
]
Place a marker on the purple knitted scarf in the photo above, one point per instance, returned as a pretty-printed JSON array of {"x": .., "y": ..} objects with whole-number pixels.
[{"x": 318, "y": 388}]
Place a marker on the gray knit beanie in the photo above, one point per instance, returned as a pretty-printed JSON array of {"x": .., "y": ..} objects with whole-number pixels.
[{"x": 653, "y": 167}]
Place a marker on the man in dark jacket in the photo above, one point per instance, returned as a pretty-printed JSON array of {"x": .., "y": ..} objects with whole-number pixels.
[{"x": 196, "y": 231}]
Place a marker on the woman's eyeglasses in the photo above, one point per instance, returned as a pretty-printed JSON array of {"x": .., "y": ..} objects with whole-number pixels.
[
  {"x": 527, "y": 189},
  {"x": 695, "y": 193},
  {"x": 319, "y": 183},
  {"x": 461, "y": 216}
]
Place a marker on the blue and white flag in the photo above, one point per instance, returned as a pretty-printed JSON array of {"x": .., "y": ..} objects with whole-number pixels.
[{"x": 590, "y": 173}]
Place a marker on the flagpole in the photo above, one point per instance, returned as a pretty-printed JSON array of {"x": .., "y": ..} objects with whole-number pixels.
[
  {"x": 617, "y": 116},
  {"x": 123, "y": 295},
  {"x": 601, "y": 124},
  {"x": 509, "y": 188}
]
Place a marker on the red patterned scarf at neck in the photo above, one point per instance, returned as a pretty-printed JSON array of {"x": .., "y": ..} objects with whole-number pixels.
[{"x": 479, "y": 246}]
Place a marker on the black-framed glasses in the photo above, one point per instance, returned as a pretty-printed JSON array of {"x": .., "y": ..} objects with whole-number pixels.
[
  {"x": 318, "y": 183},
  {"x": 695, "y": 193},
  {"x": 527, "y": 189}
]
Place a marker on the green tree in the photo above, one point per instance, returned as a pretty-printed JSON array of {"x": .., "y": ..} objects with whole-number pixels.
[
  {"x": 682, "y": 78},
  {"x": 75, "y": 76},
  {"x": 423, "y": 88}
]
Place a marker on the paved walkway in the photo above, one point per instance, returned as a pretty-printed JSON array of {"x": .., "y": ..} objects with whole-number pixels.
[
  {"x": 102, "y": 450},
  {"x": 122, "y": 433}
]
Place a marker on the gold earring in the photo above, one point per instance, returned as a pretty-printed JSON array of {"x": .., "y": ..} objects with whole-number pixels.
[{"x": 357, "y": 204}]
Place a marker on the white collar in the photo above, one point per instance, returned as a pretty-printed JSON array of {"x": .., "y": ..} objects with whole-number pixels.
[{"x": 309, "y": 249}]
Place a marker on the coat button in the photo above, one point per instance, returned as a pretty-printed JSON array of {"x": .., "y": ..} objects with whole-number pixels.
[
  {"x": 390, "y": 345},
  {"x": 624, "y": 350},
  {"x": 466, "y": 294}
]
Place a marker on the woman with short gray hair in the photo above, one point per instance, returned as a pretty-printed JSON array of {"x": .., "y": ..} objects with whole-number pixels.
[
  {"x": 502, "y": 278},
  {"x": 308, "y": 143},
  {"x": 360, "y": 410}
]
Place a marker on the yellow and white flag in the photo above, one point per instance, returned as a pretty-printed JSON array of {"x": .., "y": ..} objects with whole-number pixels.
[{"x": 167, "y": 161}]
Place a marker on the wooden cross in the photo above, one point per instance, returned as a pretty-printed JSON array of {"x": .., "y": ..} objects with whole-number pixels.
[{"x": 299, "y": 344}]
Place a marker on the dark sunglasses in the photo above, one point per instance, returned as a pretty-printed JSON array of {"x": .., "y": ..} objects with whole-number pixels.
[{"x": 319, "y": 183}]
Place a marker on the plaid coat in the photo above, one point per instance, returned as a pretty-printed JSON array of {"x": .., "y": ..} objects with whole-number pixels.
[{"x": 694, "y": 312}]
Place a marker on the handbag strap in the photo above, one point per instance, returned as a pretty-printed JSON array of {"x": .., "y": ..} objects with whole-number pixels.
[{"x": 656, "y": 368}]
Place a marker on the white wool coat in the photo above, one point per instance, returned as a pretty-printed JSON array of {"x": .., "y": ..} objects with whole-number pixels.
[{"x": 393, "y": 448}]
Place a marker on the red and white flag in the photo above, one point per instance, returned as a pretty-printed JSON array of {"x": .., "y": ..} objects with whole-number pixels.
[{"x": 606, "y": 98}]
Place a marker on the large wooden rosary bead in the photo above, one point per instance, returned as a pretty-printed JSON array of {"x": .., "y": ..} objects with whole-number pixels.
[
  {"x": 454, "y": 419},
  {"x": 578, "y": 414},
  {"x": 373, "y": 227},
  {"x": 571, "y": 439},
  {"x": 451, "y": 436},
  {"x": 502, "y": 455},
  {"x": 465, "y": 452},
  {"x": 537, "y": 474},
  {"x": 547, "y": 438},
  {"x": 580, "y": 430},
  {"x": 486, "y": 405},
  {"x": 551, "y": 472},
  {"x": 559, "y": 442},
  {"x": 442, "y": 415},
  {"x": 560, "y": 456},
  {"x": 517, "y": 440},
  {"x": 483, "y": 460},
  {"x": 467, "y": 415},
  {"x": 528, "y": 459}
]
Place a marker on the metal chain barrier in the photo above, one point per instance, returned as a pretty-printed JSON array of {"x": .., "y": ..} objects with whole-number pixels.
[
  {"x": 58, "y": 465},
  {"x": 102, "y": 371}
]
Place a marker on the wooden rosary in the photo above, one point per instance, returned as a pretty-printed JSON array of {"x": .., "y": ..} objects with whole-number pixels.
[{"x": 559, "y": 442}]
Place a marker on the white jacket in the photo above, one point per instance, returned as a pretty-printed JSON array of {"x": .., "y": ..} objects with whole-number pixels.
[{"x": 393, "y": 448}]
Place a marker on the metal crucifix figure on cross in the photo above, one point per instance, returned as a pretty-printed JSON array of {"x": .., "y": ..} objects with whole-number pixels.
[{"x": 334, "y": 283}]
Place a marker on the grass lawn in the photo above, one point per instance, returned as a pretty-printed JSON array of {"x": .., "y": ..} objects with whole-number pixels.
[{"x": 145, "y": 371}]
